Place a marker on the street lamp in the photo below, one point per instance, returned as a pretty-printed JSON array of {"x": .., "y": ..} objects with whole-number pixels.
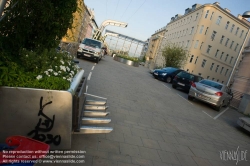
[{"x": 245, "y": 15}]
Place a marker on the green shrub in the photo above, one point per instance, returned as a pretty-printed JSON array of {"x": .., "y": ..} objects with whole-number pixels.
[{"x": 134, "y": 59}]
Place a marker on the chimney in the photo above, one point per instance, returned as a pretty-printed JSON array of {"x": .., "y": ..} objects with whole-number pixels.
[
  {"x": 227, "y": 10},
  {"x": 217, "y": 3}
]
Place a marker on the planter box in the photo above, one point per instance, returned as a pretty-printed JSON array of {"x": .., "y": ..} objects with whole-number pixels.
[
  {"x": 127, "y": 62},
  {"x": 49, "y": 116}
]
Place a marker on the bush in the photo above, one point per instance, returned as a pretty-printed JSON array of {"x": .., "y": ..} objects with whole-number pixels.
[{"x": 134, "y": 59}]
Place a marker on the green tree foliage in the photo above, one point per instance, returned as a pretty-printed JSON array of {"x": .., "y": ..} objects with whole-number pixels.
[
  {"x": 175, "y": 56},
  {"x": 35, "y": 25}
]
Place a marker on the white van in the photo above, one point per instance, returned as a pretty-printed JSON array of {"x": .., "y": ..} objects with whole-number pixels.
[{"x": 91, "y": 49}]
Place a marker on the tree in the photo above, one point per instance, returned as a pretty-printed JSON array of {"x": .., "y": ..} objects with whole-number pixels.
[
  {"x": 175, "y": 56},
  {"x": 35, "y": 25}
]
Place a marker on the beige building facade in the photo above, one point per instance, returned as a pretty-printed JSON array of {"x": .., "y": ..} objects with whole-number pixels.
[
  {"x": 152, "y": 59},
  {"x": 213, "y": 37}
]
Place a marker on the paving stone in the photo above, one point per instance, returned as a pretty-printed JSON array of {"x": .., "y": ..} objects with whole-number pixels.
[
  {"x": 166, "y": 146},
  {"x": 96, "y": 153},
  {"x": 139, "y": 133},
  {"x": 141, "y": 161},
  {"x": 168, "y": 157},
  {"x": 150, "y": 154},
  {"x": 213, "y": 155},
  {"x": 128, "y": 149},
  {"x": 157, "y": 163},
  {"x": 120, "y": 157},
  {"x": 149, "y": 143},
  {"x": 155, "y": 136},
  {"x": 217, "y": 163},
  {"x": 133, "y": 140},
  {"x": 184, "y": 150},
  {"x": 122, "y": 129},
  {"x": 103, "y": 162},
  {"x": 202, "y": 161},
  {"x": 115, "y": 136},
  {"x": 198, "y": 152},
  {"x": 110, "y": 146},
  {"x": 186, "y": 160},
  {"x": 170, "y": 139},
  {"x": 126, "y": 164}
]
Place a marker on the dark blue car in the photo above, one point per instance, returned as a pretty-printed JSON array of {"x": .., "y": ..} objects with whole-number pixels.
[{"x": 166, "y": 74}]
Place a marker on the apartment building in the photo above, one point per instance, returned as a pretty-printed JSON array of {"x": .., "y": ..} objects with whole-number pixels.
[
  {"x": 152, "y": 58},
  {"x": 213, "y": 37}
]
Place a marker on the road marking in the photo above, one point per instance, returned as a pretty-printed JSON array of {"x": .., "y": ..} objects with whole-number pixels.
[
  {"x": 166, "y": 86},
  {"x": 208, "y": 114},
  {"x": 220, "y": 113},
  {"x": 93, "y": 68},
  {"x": 184, "y": 99},
  {"x": 89, "y": 75},
  {"x": 87, "y": 88}
]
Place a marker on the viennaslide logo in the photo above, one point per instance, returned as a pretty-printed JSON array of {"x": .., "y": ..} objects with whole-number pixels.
[{"x": 235, "y": 155}]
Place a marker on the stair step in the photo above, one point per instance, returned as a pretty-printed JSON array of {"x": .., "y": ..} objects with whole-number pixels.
[
  {"x": 95, "y": 107},
  {"x": 94, "y": 130},
  {"x": 95, "y": 120},
  {"x": 95, "y": 114},
  {"x": 94, "y": 102}
]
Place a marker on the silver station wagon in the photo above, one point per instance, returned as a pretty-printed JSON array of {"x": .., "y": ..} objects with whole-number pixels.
[{"x": 211, "y": 92}]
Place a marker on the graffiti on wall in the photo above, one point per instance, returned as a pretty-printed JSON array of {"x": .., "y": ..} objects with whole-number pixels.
[{"x": 45, "y": 125}]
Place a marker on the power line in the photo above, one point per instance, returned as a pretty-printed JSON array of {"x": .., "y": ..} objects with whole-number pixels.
[
  {"x": 126, "y": 8},
  {"x": 116, "y": 7},
  {"x": 136, "y": 10}
]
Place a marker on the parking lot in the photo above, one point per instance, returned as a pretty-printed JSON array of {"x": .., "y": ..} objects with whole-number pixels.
[{"x": 155, "y": 124}]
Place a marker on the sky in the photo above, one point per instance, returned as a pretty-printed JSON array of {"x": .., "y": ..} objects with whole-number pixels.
[{"x": 144, "y": 17}]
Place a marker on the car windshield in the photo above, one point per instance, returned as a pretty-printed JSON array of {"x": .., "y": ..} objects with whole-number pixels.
[
  {"x": 169, "y": 69},
  {"x": 91, "y": 43},
  {"x": 212, "y": 84},
  {"x": 186, "y": 75}
]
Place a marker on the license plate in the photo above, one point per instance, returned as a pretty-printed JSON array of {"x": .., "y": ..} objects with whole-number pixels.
[
  {"x": 181, "y": 84},
  {"x": 87, "y": 55},
  {"x": 203, "y": 97}
]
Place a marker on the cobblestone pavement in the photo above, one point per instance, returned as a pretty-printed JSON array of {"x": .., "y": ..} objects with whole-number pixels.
[{"x": 155, "y": 124}]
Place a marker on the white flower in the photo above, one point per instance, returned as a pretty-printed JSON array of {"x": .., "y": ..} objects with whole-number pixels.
[
  {"x": 69, "y": 79},
  {"x": 39, "y": 77},
  {"x": 63, "y": 68},
  {"x": 46, "y": 72},
  {"x": 55, "y": 66},
  {"x": 55, "y": 73},
  {"x": 62, "y": 62},
  {"x": 27, "y": 55},
  {"x": 59, "y": 72},
  {"x": 55, "y": 57},
  {"x": 64, "y": 78},
  {"x": 51, "y": 70},
  {"x": 36, "y": 67},
  {"x": 68, "y": 68},
  {"x": 72, "y": 72},
  {"x": 48, "y": 75}
]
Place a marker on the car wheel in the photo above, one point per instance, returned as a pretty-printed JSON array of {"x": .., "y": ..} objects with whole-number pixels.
[
  {"x": 169, "y": 80},
  {"x": 173, "y": 86},
  {"x": 190, "y": 97},
  {"x": 228, "y": 103},
  {"x": 97, "y": 60},
  {"x": 77, "y": 56}
]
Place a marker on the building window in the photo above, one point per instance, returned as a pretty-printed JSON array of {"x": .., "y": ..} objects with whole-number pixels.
[
  {"x": 241, "y": 33},
  {"x": 201, "y": 29},
  {"x": 222, "y": 68},
  {"x": 203, "y": 63},
  {"x": 195, "y": 60},
  {"x": 187, "y": 69},
  {"x": 232, "y": 43},
  {"x": 187, "y": 44},
  {"x": 232, "y": 28},
  {"x": 211, "y": 16},
  {"x": 235, "y": 49},
  {"x": 208, "y": 77},
  {"x": 217, "y": 51},
  {"x": 222, "y": 38},
  {"x": 201, "y": 45},
  {"x": 226, "y": 58},
  {"x": 190, "y": 19},
  {"x": 192, "y": 29},
  {"x": 199, "y": 74},
  {"x": 218, "y": 20},
  {"x": 191, "y": 59},
  {"x": 222, "y": 82},
  {"x": 221, "y": 55},
  {"x": 218, "y": 80},
  {"x": 217, "y": 67},
  {"x": 236, "y": 32},
  {"x": 227, "y": 42},
  {"x": 213, "y": 35},
  {"x": 212, "y": 78},
  {"x": 227, "y": 25},
  {"x": 182, "y": 44},
  {"x": 226, "y": 72},
  {"x": 206, "y": 30},
  {"x": 186, "y": 31},
  {"x": 212, "y": 65},
  {"x": 196, "y": 44},
  {"x": 197, "y": 14},
  {"x": 209, "y": 48},
  {"x": 231, "y": 59},
  {"x": 206, "y": 14}
]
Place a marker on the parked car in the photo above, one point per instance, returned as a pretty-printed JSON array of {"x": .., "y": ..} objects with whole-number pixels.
[
  {"x": 166, "y": 74},
  {"x": 211, "y": 92},
  {"x": 184, "y": 80}
]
